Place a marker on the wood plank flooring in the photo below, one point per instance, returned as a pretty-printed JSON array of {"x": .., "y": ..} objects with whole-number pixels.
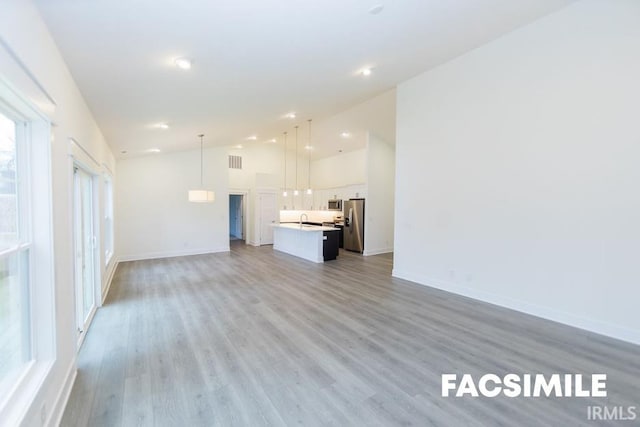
[{"x": 255, "y": 337}]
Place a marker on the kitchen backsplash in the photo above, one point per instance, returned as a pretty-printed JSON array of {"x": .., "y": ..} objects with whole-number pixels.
[{"x": 314, "y": 216}]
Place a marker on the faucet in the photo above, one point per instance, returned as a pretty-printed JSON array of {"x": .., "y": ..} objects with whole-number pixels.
[{"x": 303, "y": 215}]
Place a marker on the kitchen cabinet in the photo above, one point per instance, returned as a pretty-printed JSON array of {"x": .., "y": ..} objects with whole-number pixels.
[
  {"x": 311, "y": 242},
  {"x": 307, "y": 200},
  {"x": 291, "y": 202},
  {"x": 337, "y": 193},
  {"x": 301, "y": 202},
  {"x": 330, "y": 244},
  {"x": 320, "y": 198},
  {"x": 361, "y": 192},
  {"x": 357, "y": 191}
]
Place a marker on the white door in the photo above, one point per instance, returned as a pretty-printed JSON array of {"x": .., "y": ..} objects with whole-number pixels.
[
  {"x": 85, "y": 246},
  {"x": 268, "y": 212}
]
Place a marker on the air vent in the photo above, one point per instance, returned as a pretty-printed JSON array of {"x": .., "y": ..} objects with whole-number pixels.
[{"x": 235, "y": 162}]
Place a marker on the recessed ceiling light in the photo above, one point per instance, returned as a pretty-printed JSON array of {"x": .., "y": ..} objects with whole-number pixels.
[
  {"x": 291, "y": 115},
  {"x": 239, "y": 146},
  {"x": 153, "y": 150},
  {"x": 366, "y": 72},
  {"x": 272, "y": 141},
  {"x": 376, "y": 9},
  {"x": 183, "y": 63},
  {"x": 308, "y": 147},
  {"x": 345, "y": 134},
  {"x": 162, "y": 126},
  {"x": 251, "y": 138}
]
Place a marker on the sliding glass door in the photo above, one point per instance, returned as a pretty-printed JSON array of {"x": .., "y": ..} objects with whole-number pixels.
[{"x": 85, "y": 249}]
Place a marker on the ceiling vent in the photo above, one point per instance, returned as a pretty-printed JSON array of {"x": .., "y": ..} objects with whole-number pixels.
[{"x": 235, "y": 162}]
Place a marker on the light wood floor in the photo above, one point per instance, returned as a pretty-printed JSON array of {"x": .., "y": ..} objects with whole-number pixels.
[{"x": 256, "y": 337}]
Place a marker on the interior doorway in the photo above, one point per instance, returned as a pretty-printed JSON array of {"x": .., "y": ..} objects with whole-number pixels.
[
  {"x": 85, "y": 249},
  {"x": 236, "y": 217}
]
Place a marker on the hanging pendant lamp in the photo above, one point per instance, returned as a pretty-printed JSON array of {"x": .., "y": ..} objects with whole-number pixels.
[
  {"x": 201, "y": 195},
  {"x": 295, "y": 190},
  {"x": 284, "y": 187},
  {"x": 309, "y": 191}
]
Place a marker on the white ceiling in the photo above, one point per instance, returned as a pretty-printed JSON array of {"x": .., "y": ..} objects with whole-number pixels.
[{"x": 255, "y": 60}]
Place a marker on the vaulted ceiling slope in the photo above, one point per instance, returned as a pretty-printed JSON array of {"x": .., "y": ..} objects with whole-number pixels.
[{"x": 255, "y": 60}]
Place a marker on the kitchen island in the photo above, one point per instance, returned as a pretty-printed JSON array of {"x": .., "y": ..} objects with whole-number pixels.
[{"x": 311, "y": 242}]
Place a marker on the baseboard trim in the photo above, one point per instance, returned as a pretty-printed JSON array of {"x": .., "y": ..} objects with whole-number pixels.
[
  {"x": 369, "y": 252},
  {"x": 172, "y": 254},
  {"x": 60, "y": 404},
  {"x": 595, "y": 326},
  {"x": 105, "y": 292}
]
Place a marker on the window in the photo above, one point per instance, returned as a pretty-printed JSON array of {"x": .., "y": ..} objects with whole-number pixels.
[
  {"x": 15, "y": 244},
  {"x": 27, "y": 288},
  {"x": 108, "y": 219}
]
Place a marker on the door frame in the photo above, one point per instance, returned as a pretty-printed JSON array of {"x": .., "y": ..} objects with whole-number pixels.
[
  {"x": 95, "y": 216},
  {"x": 245, "y": 205}
]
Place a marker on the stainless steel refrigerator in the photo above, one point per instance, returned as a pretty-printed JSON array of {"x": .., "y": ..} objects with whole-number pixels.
[{"x": 353, "y": 230}]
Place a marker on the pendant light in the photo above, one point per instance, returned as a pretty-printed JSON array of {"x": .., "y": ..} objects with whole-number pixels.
[
  {"x": 284, "y": 187},
  {"x": 201, "y": 195},
  {"x": 309, "y": 191},
  {"x": 295, "y": 190}
]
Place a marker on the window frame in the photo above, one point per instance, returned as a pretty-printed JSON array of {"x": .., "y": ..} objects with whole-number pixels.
[
  {"x": 34, "y": 189},
  {"x": 22, "y": 248}
]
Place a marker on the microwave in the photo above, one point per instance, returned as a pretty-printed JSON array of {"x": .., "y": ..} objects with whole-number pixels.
[{"x": 334, "y": 205}]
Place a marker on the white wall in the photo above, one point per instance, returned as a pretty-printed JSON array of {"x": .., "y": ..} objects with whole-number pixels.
[
  {"x": 517, "y": 170},
  {"x": 155, "y": 218},
  {"x": 26, "y": 35},
  {"x": 261, "y": 166},
  {"x": 340, "y": 170},
  {"x": 379, "y": 203},
  {"x": 262, "y": 169}
]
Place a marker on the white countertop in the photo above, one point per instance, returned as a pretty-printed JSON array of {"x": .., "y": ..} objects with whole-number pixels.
[{"x": 305, "y": 227}]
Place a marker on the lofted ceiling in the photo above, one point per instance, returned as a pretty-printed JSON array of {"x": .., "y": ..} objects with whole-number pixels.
[{"x": 253, "y": 61}]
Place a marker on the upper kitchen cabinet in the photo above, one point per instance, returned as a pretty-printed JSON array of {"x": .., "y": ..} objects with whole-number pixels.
[
  {"x": 307, "y": 200},
  {"x": 337, "y": 193},
  {"x": 320, "y": 199},
  {"x": 358, "y": 191},
  {"x": 354, "y": 191}
]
